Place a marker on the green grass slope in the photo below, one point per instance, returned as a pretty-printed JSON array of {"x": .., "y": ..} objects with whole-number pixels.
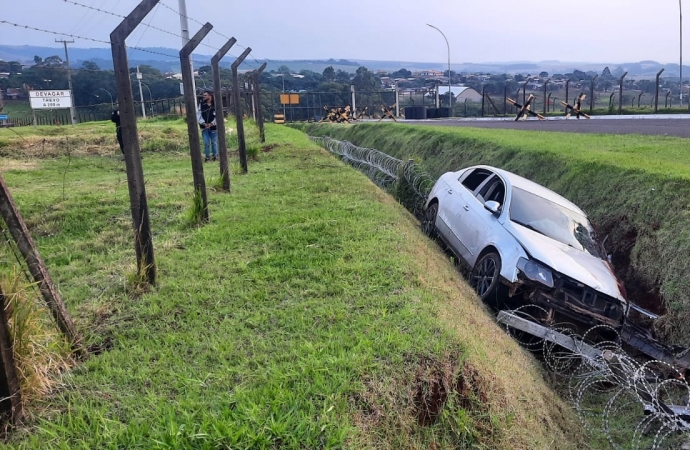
[{"x": 310, "y": 312}]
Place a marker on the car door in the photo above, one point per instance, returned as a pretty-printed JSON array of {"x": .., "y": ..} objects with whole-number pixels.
[
  {"x": 460, "y": 195},
  {"x": 476, "y": 225}
]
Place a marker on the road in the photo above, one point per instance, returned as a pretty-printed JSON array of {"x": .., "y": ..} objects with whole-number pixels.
[{"x": 677, "y": 125}]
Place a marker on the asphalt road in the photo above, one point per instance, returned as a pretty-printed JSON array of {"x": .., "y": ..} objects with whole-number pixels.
[{"x": 679, "y": 127}]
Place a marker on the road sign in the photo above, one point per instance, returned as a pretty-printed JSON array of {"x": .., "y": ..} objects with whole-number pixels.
[
  {"x": 289, "y": 99},
  {"x": 46, "y": 99},
  {"x": 3, "y": 117}
]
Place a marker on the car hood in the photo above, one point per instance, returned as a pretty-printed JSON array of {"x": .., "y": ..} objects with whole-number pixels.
[{"x": 567, "y": 260}]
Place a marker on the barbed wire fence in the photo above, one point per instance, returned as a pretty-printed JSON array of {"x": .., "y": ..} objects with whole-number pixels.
[
  {"x": 406, "y": 180},
  {"x": 635, "y": 404}
]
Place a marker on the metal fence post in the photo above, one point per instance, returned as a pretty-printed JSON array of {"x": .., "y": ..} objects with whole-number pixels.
[
  {"x": 218, "y": 98},
  {"x": 591, "y": 94},
  {"x": 143, "y": 242},
  {"x": 397, "y": 101},
  {"x": 238, "y": 109},
  {"x": 567, "y": 90},
  {"x": 620, "y": 99},
  {"x": 545, "y": 103},
  {"x": 192, "y": 123},
  {"x": 656, "y": 95}
]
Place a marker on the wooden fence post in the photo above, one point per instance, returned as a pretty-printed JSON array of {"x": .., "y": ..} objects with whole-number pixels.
[
  {"x": 218, "y": 98},
  {"x": 238, "y": 109},
  {"x": 257, "y": 101},
  {"x": 37, "y": 268},
  {"x": 10, "y": 393},
  {"x": 192, "y": 123},
  {"x": 143, "y": 241}
]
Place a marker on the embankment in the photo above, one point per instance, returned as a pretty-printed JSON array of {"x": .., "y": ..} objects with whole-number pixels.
[{"x": 636, "y": 189}]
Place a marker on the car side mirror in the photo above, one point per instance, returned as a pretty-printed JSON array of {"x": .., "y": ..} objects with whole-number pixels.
[{"x": 493, "y": 207}]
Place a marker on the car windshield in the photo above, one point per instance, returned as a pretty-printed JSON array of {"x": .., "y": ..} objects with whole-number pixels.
[{"x": 554, "y": 221}]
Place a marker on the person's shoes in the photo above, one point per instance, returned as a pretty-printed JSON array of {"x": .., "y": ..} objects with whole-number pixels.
[
  {"x": 206, "y": 159},
  {"x": 214, "y": 159}
]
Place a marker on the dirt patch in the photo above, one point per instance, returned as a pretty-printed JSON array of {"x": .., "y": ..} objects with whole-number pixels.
[
  {"x": 638, "y": 291},
  {"x": 269, "y": 148},
  {"x": 441, "y": 383}
]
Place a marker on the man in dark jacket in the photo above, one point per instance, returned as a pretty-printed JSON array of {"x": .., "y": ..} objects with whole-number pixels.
[
  {"x": 207, "y": 121},
  {"x": 115, "y": 117}
]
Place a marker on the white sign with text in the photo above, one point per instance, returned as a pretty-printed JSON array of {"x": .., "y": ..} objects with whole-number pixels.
[{"x": 47, "y": 99}]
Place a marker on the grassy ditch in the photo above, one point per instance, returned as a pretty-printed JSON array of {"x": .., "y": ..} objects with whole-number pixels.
[
  {"x": 635, "y": 188},
  {"x": 309, "y": 313}
]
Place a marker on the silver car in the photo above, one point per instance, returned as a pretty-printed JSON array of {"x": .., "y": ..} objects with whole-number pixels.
[{"x": 525, "y": 244}]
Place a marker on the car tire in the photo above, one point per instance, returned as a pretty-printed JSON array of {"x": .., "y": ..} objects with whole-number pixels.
[
  {"x": 429, "y": 220},
  {"x": 485, "y": 279}
]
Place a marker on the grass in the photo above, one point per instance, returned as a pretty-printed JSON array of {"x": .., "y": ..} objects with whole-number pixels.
[
  {"x": 309, "y": 313},
  {"x": 633, "y": 187}
]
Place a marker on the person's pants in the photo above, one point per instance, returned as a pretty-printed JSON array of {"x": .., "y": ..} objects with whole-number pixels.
[
  {"x": 119, "y": 139},
  {"x": 210, "y": 141}
]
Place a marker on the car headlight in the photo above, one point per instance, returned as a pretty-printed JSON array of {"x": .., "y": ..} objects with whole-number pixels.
[{"x": 535, "y": 272}]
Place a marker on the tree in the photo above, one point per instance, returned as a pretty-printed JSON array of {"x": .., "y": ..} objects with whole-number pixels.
[
  {"x": 4, "y": 66},
  {"x": 342, "y": 77},
  {"x": 329, "y": 73},
  {"x": 53, "y": 61},
  {"x": 402, "y": 73},
  {"x": 606, "y": 73},
  {"x": 38, "y": 60},
  {"x": 365, "y": 80},
  {"x": 285, "y": 70},
  {"x": 90, "y": 65},
  {"x": 205, "y": 69},
  {"x": 544, "y": 74}
]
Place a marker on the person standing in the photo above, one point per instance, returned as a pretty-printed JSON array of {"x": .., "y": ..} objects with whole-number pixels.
[
  {"x": 115, "y": 118},
  {"x": 207, "y": 121}
]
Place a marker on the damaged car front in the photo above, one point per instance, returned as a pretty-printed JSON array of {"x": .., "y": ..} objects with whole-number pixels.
[
  {"x": 525, "y": 244},
  {"x": 566, "y": 267}
]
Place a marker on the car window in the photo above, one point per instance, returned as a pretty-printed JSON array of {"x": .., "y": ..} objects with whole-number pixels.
[
  {"x": 494, "y": 190},
  {"x": 475, "y": 178},
  {"x": 554, "y": 221}
]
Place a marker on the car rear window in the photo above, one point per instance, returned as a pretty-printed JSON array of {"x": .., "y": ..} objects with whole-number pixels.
[{"x": 473, "y": 180}]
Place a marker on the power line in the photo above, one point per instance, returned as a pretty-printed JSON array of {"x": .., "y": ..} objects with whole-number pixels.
[{"x": 76, "y": 36}]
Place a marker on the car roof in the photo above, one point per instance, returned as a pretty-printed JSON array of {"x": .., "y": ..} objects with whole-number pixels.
[{"x": 530, "y": 186}]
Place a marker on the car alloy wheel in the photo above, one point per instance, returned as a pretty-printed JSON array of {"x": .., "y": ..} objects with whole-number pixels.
[
  {"x": 429, "y": 220},
  {"x": 484, "y": 278}
]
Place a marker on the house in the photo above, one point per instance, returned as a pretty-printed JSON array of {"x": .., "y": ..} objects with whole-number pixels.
[
  {"x": 460, "y": 93},
  {"x": 14, "y": 94}
]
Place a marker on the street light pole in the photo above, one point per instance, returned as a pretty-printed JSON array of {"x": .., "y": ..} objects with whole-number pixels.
[
  {"x": 184, "y": 30},
  {"x": 141, "y": 94},
  {"x": 112, "y": 105},
  {"x": 450, "y": 78},
  {"x": 150, "y": 98}
]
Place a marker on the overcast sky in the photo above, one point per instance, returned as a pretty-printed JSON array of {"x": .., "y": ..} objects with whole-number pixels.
[{"x": 478, "y": 30}]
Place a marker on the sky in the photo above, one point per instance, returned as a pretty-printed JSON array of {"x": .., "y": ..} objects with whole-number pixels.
[{"x": 478, "y": 31}]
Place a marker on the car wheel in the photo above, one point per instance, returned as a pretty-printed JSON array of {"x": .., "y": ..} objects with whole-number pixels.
[
  {"x": 485, "y": 277},
  {"x": 429, "y": 221}
]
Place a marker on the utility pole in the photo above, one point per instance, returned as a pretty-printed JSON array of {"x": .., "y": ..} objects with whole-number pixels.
[
  {"x": 184, "y": 29},
  {"x": 141, "y": 94},
  {"x": 72, "y": 109}
]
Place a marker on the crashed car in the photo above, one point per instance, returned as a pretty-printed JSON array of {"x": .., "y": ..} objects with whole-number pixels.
[{"x": 525, "y": 244}]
